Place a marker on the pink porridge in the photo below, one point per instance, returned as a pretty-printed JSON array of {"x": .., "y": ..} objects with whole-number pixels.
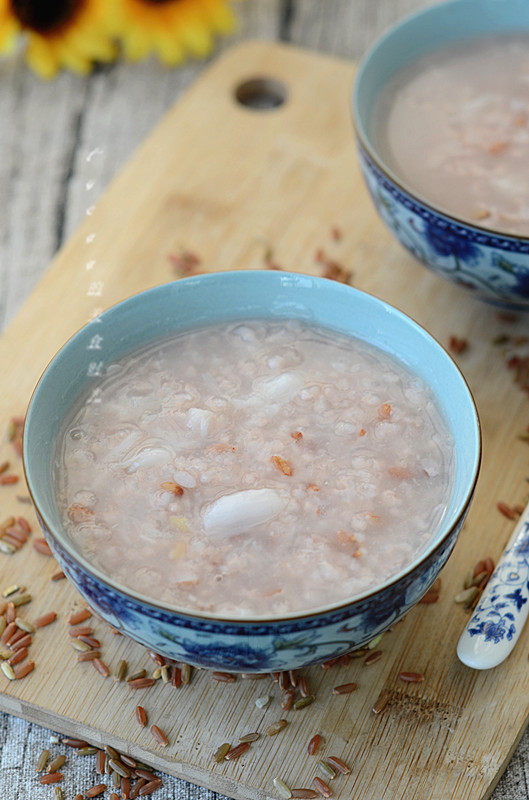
[
  {"x": 454, "y": 127},
  {"x": 254, "y": 469}
]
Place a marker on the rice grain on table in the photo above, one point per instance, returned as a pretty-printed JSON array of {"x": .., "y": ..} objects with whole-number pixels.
[
  {"x": 42, "y": 547},
  {"x": 149, "y": 788},
  {"x": 101, "y": 667},
  {"x": 56, "y": 764},
  {"x": 237, "y": 751},
  {"x": 75, "y": 743},
  {"x": 18, "y": 656},
  {"x": 303, "y": 686},
  {"x": 314, "y": 744},
  {"x": 411, "y": 677},
  {"x": 223, "y": 677},
  {"x": 141, "y": 683},
  {"x": 134, "y": 792},
  {"x": 81, "y": 630},
  {"x": 76, "y": 617},
  {"x": 45, "y": 619},
  {"x": 305, "y": 794},
  {"x": 52, "y": 777},
  {"x": 8, "y": 670},
  {"x": 321, "y": 787},
  {"x": 141, "y": 673},
  {"x": 89, "y": 655},
  {"x": 337, "y": 764},
  {"x": 100, "y": 762},
  {"x": 95, "y": 791},
  {"x": 42, "y": 761},
  {"x": 250, "y": 737},
  {"x": 381, "y": 702},
  {"x": 159, "y": 735},
  {"x": 276, "y": 727},
  {"x": 220, "y": 754},
  {"x": 327, "y": 770},
  {"x": 141, "y": 716},
  {"x": 376, "y": 655},
  {"x": 345, "y": 688},
  {"x": 303, "y": 702},
  {"x": 282, "y": 789}
]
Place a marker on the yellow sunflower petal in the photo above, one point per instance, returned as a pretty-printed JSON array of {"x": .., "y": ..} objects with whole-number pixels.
[
  {"x": 136, "y": 45},
  {"x": 169, "y": 50},
  {"x": 69, "y": 56},
  {"x": 220, "y": 16},
  {"x": 197, "y": 39},
  {"x": 9, "y": 30},
  {"x": 41, "y": 57}
]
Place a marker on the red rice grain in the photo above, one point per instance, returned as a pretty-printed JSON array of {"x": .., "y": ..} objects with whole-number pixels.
[
  {"x": 338, "y": 764},
  {"x": 411, "y": 677},
  {"x": 373, "y": 657},
  {"x": 24, "y": 524},
  {"x": 176, "y": 677},
  {"x": 345, "y": 688},
  {"x": 321, "y": 787},
  {"x": 149, "y": 788},
  {"x": 52, "y": 777},
  {"x": 305, "y": 794},
  {"x": 223, "y": 677},
  {"x": 76, "y": 617},
  {"x": 95, "y": 791},
  {"x": 46, "y": 619},
  {"x": 85, "y": 630},
  {"x": 101, "y": 667},
  {"x": 100, "y": 762},
  {"x": 42, "y": 546},
  {"x": 136, "y": 788},
  {"x": 141, "y": 683},
  {"x": 24, "y": 669},
  {"x": 18, "y": 656},
  {"x": 237, "y": 751},
  {"x": 159, "y": 735},
  {"x": 314, "y": 744},
  {"x": 90, "y": 655}
]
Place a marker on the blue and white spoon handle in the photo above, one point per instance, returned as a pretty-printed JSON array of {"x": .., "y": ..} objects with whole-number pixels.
[{"x": 501, "y": 613}]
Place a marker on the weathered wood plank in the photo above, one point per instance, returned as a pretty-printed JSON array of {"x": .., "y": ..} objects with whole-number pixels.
[{"x": 344, "y": 27}]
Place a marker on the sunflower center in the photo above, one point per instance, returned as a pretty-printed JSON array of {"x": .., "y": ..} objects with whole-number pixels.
[{"x": 45, "y": 17}]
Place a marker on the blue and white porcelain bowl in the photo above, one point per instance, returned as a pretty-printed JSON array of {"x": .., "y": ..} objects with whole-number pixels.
[
  {"x": 492, "y": 264},
  {"x": 210, "y": 640}
]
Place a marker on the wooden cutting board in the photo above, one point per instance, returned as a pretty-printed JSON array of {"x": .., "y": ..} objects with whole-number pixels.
[{"x": 228, "y": 182}]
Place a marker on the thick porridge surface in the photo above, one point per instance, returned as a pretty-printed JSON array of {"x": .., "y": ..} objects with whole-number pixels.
[
  {"x": 454, "y": 127},
  {"x": 254, "y": 469}
]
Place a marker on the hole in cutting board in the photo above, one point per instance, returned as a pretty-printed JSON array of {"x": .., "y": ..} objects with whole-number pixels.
[{"x": 261, "y": 94}]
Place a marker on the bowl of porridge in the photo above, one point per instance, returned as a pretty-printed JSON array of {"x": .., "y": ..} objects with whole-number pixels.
[
  {"x": 265, "y": 470},
  {"x": 442, "y": 124}
]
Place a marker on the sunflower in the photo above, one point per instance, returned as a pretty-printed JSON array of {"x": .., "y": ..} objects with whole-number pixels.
[
  {"x": 171, "y": 29},
  {"x": 58, "y": 33}
]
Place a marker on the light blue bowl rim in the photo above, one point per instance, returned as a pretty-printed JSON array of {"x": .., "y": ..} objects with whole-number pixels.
[
  {"x": 273, "y": 277},
  {"x": 360, "y": 124}
]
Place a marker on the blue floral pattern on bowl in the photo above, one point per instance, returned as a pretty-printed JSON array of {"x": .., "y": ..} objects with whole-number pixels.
[
  {"x": 266, "y": 646},
  {"x": 493, "y": 266}
]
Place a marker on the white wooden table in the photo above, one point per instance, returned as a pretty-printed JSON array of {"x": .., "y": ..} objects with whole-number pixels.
[{"x": 47, "y": 130}]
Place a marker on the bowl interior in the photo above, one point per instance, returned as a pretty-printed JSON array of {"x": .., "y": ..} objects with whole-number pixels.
[
  {"x": 419, "y": 35},
  {"x": 238, "y": 295}
]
